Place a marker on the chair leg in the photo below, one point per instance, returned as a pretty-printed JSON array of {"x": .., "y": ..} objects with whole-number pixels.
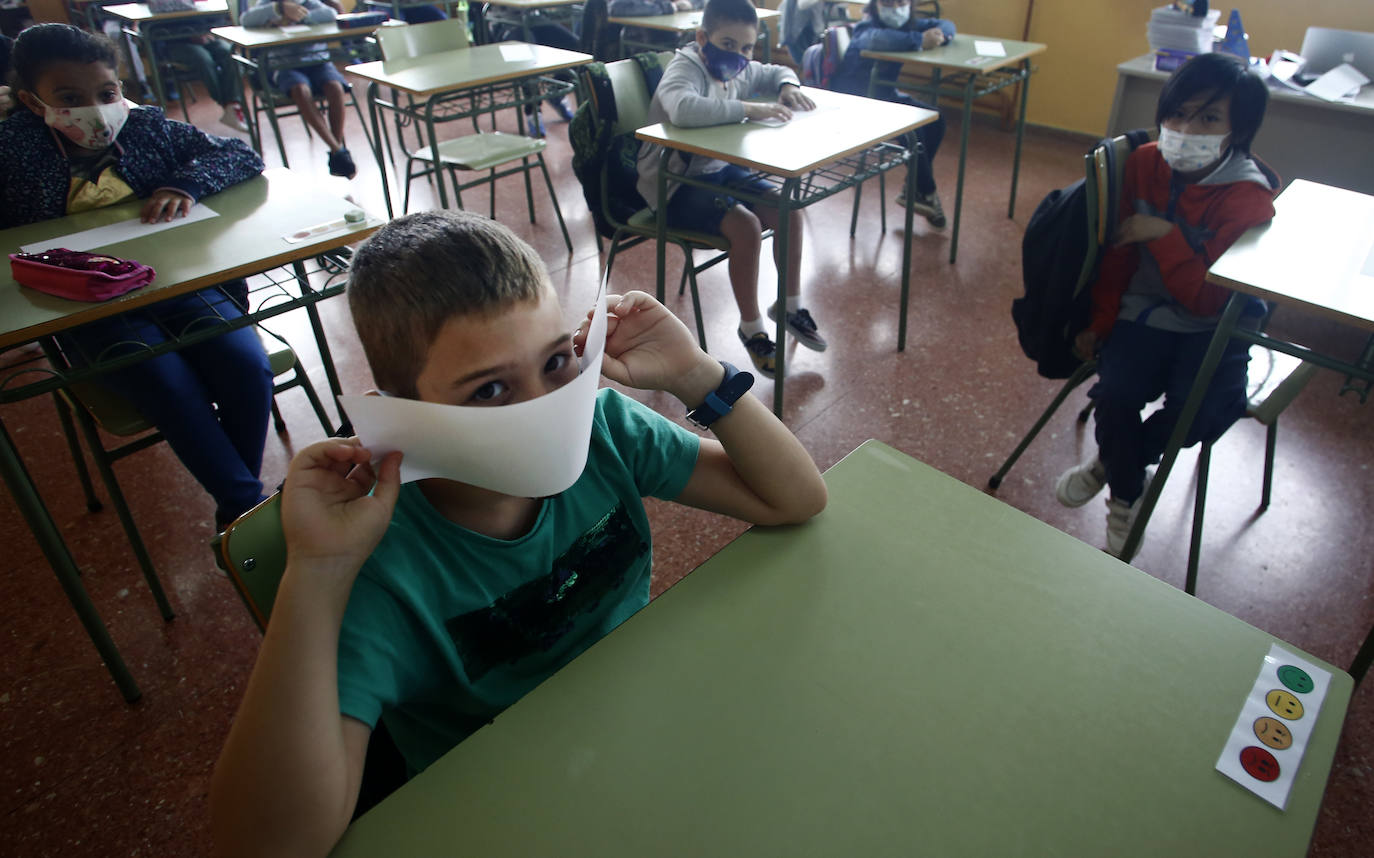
[
  {"x": 64, "y": 415},
  {"x": 1271, "y": 440},
  {"x": 1360, "y": 666},
  {"x": 277, "y": 422},
  {"x": 1204, "y": 466},
  {"x": 1080, "y": 375},
  {"x": 529, "y": 188},
  {"x": 125, "y": 517},
  {"x": 854, "y": 215}
]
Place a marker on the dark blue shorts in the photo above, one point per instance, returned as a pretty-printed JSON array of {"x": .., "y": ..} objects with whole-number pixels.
[
  {"x": 316, "y": 76},
  {"x": 701, "y": 209}
]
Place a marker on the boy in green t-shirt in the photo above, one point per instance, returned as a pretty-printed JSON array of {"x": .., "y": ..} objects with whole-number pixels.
[{"x": 435, "y": 604}]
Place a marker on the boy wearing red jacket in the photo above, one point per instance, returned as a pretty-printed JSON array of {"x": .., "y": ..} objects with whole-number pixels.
[{"x": 1185, "y": 200}]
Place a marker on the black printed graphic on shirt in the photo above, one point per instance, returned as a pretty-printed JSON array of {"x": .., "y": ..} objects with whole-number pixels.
[{"x": 535, "y": 616}]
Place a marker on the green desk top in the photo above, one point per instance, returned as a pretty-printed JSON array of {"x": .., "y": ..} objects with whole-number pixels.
[
  {"x": 1333, "y": 273},
  {"x": 246, "y": 238},
  {"x": 432, "y": 74},
  {"x": 959, "y": 54},
  {"x": 921, "y": 670},
  {"x": 680, "y": 22},
  {"x": 270, "y": 37},
  {"x": 140, "y": 13},
  {"x": 840, "y": 125}
]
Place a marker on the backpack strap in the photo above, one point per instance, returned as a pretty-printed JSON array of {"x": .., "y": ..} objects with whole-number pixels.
[{"x": 651, "y": 66}]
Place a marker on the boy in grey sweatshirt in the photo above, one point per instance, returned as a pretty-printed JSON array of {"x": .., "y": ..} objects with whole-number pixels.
[{"x": 704, "y": 85}]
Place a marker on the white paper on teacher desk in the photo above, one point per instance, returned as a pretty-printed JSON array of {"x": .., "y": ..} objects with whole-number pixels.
[
  {"x": 1342, "y": 82},
  {"x": 534, "y": 448}
]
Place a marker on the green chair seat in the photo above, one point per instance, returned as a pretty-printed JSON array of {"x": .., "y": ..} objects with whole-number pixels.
[
  {"x": 482, "y": 151},
  {"x": 643, "y": 221}
]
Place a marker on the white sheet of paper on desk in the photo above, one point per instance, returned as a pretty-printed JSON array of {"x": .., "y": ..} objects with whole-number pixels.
[
  {"x": 113, "y": 233},
  {"x": 516, "y": 53},
  {"x": 1265, "y": 747},
  {"x": 1344, "y": 81},
  {"x": 771, "y": 122},
  {"x": 989, "y": 48},
  {"x": 294, "y": 28},
  {"x": 534, "y": 448}
]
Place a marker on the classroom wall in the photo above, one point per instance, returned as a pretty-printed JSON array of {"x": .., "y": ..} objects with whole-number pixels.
[{"x": 1076, "y": 80}]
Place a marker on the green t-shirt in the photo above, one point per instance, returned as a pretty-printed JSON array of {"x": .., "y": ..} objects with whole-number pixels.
[{"x": 446, "y": 627}]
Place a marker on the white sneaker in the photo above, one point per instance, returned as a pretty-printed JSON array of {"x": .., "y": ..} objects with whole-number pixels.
[
  {"x": 233, "y": 117},
  {"x": 1081, "y": 483},
  {"x": 1121, "y": 517}
]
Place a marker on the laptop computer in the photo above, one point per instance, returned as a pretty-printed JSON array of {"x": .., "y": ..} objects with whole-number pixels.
[{"x": 1324, "y": 48}]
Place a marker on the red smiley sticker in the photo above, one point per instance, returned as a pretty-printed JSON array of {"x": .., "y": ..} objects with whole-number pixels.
[{"x": 1260, "y": 764}]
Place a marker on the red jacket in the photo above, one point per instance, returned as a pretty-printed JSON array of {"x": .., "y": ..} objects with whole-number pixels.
[{"x": 1163, "y": 279}]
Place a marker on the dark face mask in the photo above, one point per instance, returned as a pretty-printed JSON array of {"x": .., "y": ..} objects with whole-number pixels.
[{"x": 723, "y": 65}]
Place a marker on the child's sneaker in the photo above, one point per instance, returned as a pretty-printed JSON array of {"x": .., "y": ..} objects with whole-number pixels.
[
  {"x": 560, "y": 106},
  {"x": 341, "y": 164},
  {"x": 927, "y": 205},
  {"x": 534, "y": 124},
  {"x": 1081, "y": 483},
  {"x": 1121, "y": 517},
  {"x": 803, "y": 327},
  {"x": 233, "y": 118},
  {"x": 761, "y": 350}
]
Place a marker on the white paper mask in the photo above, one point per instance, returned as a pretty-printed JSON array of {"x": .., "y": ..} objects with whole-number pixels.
[{"x": 534, "y": 448}]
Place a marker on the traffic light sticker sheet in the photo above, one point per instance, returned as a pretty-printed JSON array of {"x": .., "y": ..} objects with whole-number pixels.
[{"x": 1266, "y": 746}]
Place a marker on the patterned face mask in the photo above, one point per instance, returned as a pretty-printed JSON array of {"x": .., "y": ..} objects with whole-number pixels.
[
  {"x": 1188, "y": 152},
  {"x": 92, "y": 127},
  {"x": 894, "y": 16},
  {"x": 722, "y": 64}
]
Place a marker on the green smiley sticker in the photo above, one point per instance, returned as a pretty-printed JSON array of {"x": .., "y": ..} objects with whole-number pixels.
[{"x": 1296, "y": 679}]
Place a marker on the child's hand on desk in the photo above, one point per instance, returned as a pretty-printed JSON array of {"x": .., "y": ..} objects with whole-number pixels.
[
  {"x": 165, "y": 205},
  {"x": 793, "y": 97},
  {"x": 1140, "y": 228},
  {"x": 293, "y": 12},
  {"x": 649, "y": 348},
  {"x": 767, "y": 112},
  {"x": 683, "y": 5},
  {"x": 932, "y": 38},
  {"x": 327, "y": 513}
]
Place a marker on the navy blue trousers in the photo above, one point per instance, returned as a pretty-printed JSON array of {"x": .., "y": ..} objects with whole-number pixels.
[
  {"x": 930, "y": 136},
  {"x": 1136, "y": 366},
  {"x": 177, "y": 392}
]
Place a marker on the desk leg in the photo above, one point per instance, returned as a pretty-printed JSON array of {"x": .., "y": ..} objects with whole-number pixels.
[
  {"x": 1020, "y": 133},
  {"x": 322, "y": 344},
  {"x": 906, "y": 242},
  {"x": 963, "y": 159},
  {"x": 782, "y": 239},
  {"x": 374, "y": 114},
  {"x": 1185, "y": 421},
  {"x": 55, "y": 550},
  {"x": 264, "y": 81},
  {"x": 661, "y": 226}
]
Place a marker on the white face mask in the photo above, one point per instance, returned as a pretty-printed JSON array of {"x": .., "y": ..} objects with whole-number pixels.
[
  {"x": 894, "y": 16},
  {"x": 1188, "y": 152},
  {"x": 92, "y": 127},
  {"x": 531, "y": 449}
]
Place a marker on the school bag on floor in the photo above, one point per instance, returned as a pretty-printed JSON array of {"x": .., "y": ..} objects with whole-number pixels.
[
  {"x": 1059, "y": 259},
  {"x": 594, "y": 146}
]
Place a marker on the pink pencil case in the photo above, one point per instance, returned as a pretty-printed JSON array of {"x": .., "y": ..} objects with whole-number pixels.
[{"x": 77, "y": 275}]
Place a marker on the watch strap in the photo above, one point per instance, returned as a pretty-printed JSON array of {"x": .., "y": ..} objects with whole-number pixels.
[{"x": 721, "y": 401}]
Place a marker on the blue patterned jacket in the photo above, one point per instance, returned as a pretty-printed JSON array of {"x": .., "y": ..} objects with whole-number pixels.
[{"x": 154, "y": 152}]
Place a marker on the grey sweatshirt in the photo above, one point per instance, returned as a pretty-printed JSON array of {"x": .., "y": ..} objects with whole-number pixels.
[
  {"x": 688, "y": 96},
  {"x": 263, "y": 14}
]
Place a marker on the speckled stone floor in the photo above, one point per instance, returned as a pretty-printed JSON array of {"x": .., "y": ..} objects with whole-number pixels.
[{"x": 86, "y": 774}]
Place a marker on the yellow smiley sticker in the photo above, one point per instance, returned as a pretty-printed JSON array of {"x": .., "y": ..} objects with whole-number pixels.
[
  {"x": 1284, "y": 704},
  {"x": 1271, "y": 732}
]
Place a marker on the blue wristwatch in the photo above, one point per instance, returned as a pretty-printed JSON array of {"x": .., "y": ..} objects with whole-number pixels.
[{"x": 721, "y": 401}]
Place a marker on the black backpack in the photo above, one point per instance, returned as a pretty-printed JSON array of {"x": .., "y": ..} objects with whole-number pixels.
[
  {"x": 597, "y": 149},
  {"x": 1056, "y": 265}
]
